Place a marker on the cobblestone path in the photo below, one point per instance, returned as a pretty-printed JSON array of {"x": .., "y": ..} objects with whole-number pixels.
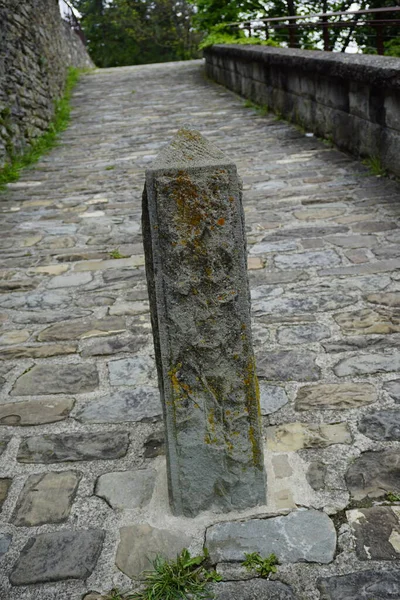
[{"x": 82, "y": 473}]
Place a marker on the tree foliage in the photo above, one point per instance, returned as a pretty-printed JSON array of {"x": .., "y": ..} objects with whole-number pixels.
[
  {"x": 127, "y": 32},
  {"x": 214, "y": 16}
]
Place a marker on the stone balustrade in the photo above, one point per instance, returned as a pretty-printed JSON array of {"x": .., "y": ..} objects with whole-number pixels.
[{"x": 352, "y": 100}]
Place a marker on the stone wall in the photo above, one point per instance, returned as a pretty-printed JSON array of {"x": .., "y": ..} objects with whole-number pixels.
[
  {"x": 352, "y": 99},
  {"x": 36, "y": 49}
]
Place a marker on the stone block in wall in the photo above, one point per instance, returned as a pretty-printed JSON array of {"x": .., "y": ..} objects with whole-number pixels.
[
  {"x": 297, "y": 83},
  {"x": 392, "y": 110},
  {"x": 36, "y": 49},
  {"x": 353, "y": 134},
  {"x": 273, "y": 77},
  {"x": 308, "y": 86},
  {"x": 256, "y": 71},
  {"x": 293, "y": 83},
  {"x": 333, "y": 92},
  {"x": 282, "y": 102},
  {"x": 390, "y": 149},
  {"x": 376, "y": 105},
  {"x": 367, "y": 138},
  {"x": 247, "y": 87},
  {"x": 324, "y": 123},
  {"x": 305, "y": 113},
  {"x": 234, "y": 80},
  {"x": 262, "y": 93},
  {"x": 359, "y": 100}
]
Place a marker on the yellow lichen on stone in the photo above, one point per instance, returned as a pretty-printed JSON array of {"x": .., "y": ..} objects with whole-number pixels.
[{"x": 252, "y": 392}]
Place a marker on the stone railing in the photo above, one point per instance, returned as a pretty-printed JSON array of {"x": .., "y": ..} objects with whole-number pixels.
[{"x": 351, "y": 99}]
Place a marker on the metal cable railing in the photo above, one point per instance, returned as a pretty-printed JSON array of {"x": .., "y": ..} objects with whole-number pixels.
[{"x": 375, "y": 28}]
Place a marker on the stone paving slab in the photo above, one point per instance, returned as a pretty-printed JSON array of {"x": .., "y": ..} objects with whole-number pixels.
[
  {"x": 58, "y": 556},
  {"x": 78, "y": 383},
  {"x": 307, "y": 535}
]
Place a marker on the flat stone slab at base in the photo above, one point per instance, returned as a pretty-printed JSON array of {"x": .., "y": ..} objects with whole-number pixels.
[
  {"x": 137, "y": 370},
  {"x": 302, "y": 334},
  {"x": 335, "y": 396},
  {"x": 73, "y": 378},
  {"x": 272, "y": 398},
  {"x": 46, "y": 498},
  {"x": 5, "y": 541},
  {"x": 140, "y": 544},
  {"x": 154, "y": 445},
  {"x": 45, "y": 351},
  {"x": 4, "y": 487},
  {"x": 393, "y": 389},
  {"x": 82, "y": 328},
  {"x": 383, "y": 425},
  {"x": 316, "y": 475},
  {"x": 126, "y": 489},
  {"x": 367, "y": 321},
  {"x": 364, "y": 585},
  {"x": 374, "y": 474},
  {"x": 3, "y": 444},
  {"x": 35, "y": 412},
  {"x": 303, "y": 535},
  {"x": 377, "y": 532},
  {"x": 71, "y": 447},
  {"x": 253, "y": 589},
  {"x": 290, "y": 437},
  {"x": 287, "y": 365},
  {"x": 368, "y": 364},
  {"x": 57, "y": 556},
  {"x": 138, "y": 404}
]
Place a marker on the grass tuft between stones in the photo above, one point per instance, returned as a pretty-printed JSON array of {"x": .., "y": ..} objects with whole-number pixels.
[
  {"x": 43, "y": 144},
  {"x": 185, "y": 577},
  {"x": 263, "y": 566},
  {"x": 117, "y": 254},
  {"x": 375, "y": 167},
  {"x": 392, "y": 497}
]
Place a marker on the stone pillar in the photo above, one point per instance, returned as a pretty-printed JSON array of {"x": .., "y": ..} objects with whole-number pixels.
[{"x": 194, "y": 239}]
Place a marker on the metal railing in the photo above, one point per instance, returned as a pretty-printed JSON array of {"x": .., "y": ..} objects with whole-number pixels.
[{"x": 292, "y": 26}]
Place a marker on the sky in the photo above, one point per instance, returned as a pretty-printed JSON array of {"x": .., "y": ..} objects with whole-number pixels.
[{"x": 65, "y": 10}]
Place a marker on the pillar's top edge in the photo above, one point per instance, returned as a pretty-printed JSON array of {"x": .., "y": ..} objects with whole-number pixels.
[{"x": 188, "y": 150}]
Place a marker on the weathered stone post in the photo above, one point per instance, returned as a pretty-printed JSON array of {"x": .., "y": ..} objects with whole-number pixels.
[{"x": 194, "y": 239}]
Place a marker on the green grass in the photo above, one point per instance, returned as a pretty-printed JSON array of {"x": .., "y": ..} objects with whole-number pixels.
[
  {"x": 43, "y": 144},
  {"x": 188, "y": 577},
  {"x": 185, "y": 577},
  {"x": 116, "y": 254},
  {"x": 263, "y": 566},
  {"x": 261, "y": 109},
  {"x": 115, "y": 595},
  {"x": 375, "y": 167},
  {"x": 392, "y": 497},
  {"x": 110, "y": 167},
  {"x": 220, "y": 35},
  {"x": 328, "y": 141}
]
